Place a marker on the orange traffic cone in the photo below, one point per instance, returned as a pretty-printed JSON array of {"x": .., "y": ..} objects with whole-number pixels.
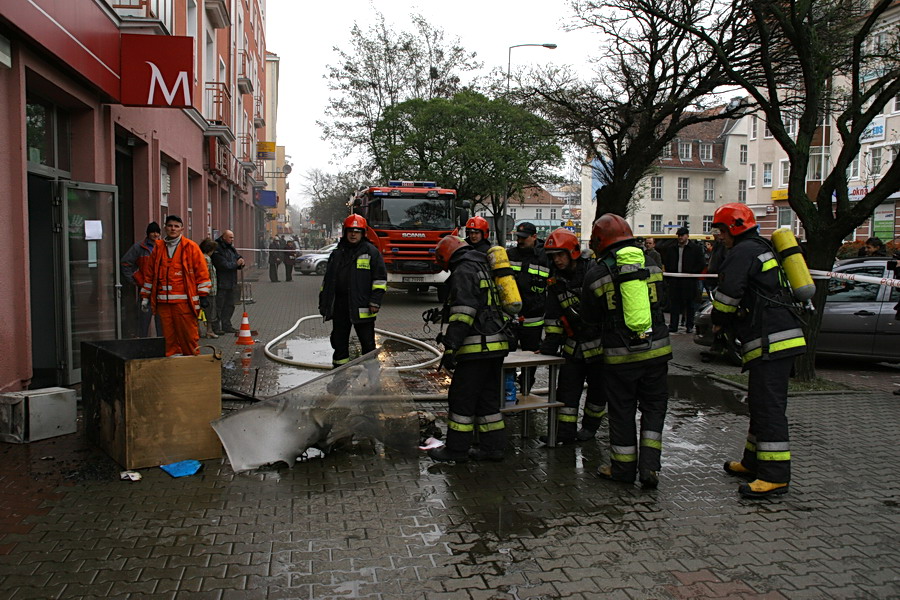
[{"x": 245, "y": 337}]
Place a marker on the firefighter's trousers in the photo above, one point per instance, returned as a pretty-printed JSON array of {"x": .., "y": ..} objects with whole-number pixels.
[
  {"x": 767, "y": 451},
  {"x": 627, "y": 390},
  {"x": 179, "y": 325},
  {"x": 474, "y": 399},
  {"x": 572, "y": 376},
  {"x": 340, "y": 334}
]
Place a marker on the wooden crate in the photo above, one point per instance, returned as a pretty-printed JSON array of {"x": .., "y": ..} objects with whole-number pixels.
[{"x": 144, "y": 409}]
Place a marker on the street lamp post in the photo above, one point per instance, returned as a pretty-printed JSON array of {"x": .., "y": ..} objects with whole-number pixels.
[
  {"x": 502, "y": 217},
  {"x": 509, "y": 59}
]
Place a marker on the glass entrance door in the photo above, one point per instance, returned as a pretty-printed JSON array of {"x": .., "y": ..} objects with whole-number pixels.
[{"x": 90, "y": 251}]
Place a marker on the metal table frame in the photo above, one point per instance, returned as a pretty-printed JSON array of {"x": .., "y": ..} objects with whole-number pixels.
[{"x": 527, "y": 402}]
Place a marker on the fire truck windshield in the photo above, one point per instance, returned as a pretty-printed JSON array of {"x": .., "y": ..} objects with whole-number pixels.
[{"x": 409, "y": 213}]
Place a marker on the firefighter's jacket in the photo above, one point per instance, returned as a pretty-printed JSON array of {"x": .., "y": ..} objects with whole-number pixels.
[
  {"x": 564, "y": 325},
  {"x": 621, "y": 294},
  {"x": 752, "y": 300},
  {"x": 476, "y": 325},
  {"x": 365, "y": 280},
  {"x": 531, "y": 268},
  {"x": 181, "y": 278},
  {"x": 132, "y": 264}
]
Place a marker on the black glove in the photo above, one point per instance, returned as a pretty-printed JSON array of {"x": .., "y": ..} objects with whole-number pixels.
[
  {"x": 549, "y": 349},
  {"x": 439, "y": 338},
  {"x": 204, "y": 302},
  {"x": 448, "y": 361}
]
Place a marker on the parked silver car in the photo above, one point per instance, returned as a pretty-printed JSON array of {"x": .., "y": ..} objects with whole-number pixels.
[
  {"x": 315, "y": 262},
  {"x": 859, "y": 320}
]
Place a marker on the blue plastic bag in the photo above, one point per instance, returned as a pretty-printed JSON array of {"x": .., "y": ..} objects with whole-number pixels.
[{"x": 182, "y": 468}]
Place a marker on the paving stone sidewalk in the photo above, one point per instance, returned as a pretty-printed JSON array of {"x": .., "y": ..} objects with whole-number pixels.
[{"x": 366, "y": 522}]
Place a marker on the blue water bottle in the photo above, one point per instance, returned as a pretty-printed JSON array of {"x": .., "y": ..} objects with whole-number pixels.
[{"x": 510, "y": 388}]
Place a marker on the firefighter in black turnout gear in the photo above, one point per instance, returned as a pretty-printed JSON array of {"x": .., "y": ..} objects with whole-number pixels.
[
  {"x": 566, "y": 332},
  {"x": 475, "y": 343},
  {"x": 354, "y": 284},
  {"x": 622, "y": 294},
  {"x": 753, "y": 301},
  {"x": 531, "y": 268}
]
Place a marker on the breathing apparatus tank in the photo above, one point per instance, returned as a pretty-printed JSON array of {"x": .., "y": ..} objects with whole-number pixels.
[
  {"x": 794, "y": 265},
  {"x": 510, "y": 300},
  {"x": 635, "y": 296}
]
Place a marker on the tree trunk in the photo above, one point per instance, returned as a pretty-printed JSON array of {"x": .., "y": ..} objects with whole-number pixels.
[{"x": 818, "y": 257}]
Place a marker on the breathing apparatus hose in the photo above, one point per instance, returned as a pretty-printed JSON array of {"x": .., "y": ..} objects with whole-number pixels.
[{"x": 389, "y": 334}]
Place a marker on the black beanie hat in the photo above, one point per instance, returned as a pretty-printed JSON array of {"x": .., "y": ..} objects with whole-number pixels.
[{"x": 153, "y": 228}]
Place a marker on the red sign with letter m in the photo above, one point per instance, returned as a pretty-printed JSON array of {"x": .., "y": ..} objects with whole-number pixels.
[{"x": 157, "y": 70}]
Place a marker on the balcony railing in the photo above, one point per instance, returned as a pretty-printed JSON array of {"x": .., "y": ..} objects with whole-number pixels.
[
  {"x": 259, "y": 119},
  {"x": 158, "y": 10},
  {"x": 245, "y": 73},
  {"x": 217, "y": 109}
]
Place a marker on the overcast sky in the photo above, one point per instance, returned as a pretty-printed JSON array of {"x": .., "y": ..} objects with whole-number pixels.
[{"x": 303, "y": 34}]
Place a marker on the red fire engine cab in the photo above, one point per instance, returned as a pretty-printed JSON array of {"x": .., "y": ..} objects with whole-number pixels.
[{"x": 406, "y": 221}]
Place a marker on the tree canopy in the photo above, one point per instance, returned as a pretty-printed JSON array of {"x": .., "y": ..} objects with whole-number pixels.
[
  {"x": 382, "y": 67},
  {"x": 486, "y": 149}
]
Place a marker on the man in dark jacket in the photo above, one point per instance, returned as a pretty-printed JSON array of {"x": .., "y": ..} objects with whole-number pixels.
[
  {"x": 130, "y": 267},
  {"x": 227, "y": 262},
  {"x": 752, "y": 301},
  {"x": 475, "y": 344},
  {"x": 354, "y": 285},
  {"x": 531, "y": 268},
  {"x": 683, "y": 257}
]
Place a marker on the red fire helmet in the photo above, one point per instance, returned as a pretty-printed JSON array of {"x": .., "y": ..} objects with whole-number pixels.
[
  {"x": 562, "y": 239},
  {"x": 735, "y": 217},
  {"x": 355, "y": 222},
  {"x": 609, "y": 229},
  {"x": 445, "y": 249},
  {"x": 479, "y": 223}
]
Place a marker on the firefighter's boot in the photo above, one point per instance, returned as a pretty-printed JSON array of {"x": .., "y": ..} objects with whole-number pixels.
[
  {"x": 758, "y": 489},
  {"x": 649, "y": 479},
  {"x": 736, "y": 468},
  {"x": 443, "y": 454}
]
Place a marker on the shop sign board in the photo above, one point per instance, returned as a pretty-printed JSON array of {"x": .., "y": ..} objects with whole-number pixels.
[{"x": 157, "y": 70}]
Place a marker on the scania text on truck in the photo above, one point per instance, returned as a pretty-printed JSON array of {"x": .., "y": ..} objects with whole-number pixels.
[{"x": 406, "y": 221}]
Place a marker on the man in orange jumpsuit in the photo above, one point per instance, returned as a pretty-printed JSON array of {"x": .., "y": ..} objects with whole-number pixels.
[{"x": 176, "y": 283}]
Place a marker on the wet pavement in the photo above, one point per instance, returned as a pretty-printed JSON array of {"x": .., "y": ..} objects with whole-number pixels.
[{"x": 370, "y": 522}]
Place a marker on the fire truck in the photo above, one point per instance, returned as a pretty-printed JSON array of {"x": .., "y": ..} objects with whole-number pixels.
[{"x": 406, "y": 221}]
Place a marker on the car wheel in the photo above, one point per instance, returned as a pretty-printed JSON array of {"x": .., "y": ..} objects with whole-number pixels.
[{"x": 320, "y": 268}]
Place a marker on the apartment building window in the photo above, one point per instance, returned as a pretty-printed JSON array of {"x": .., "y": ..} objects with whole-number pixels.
[
  {"x": 743, "y": 154},
  {"x": 682, "y": 220},
  {"x": 790, "y": 126},
  {"x": 552, "y": 214},
  {"x": 875, "y": 162},
  {"x": 512, "y": 213},
  {"x": 897, "y": 103},
  {"x": 754, "y": 127},
  {"x": 656, "y": 188},
  {"x": 753, "y": 176},
  {"x": 853, "y": 169},
  {"x": 819, "y": 163},
  {"x": 767, "y": 133},
  {"x": 742, "y": 191},
  {"x": 785, "y": 165},
  {"x": 656, "y": 224},
  {"x": 785, "y": 217},
  {"x": 684, "y": 150},
  {"x": 767, "y": 175},
  {"x": 684, "y": 184},
  {"x": 706, "y": 152},
  {"x": 709, "y": 190},
  {"x": 667, "y": 151},
  {"x": 707, "y": 223}
]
